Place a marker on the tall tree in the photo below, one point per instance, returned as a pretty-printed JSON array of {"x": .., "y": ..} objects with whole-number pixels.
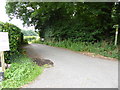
[{"x": 84, "y": 21}]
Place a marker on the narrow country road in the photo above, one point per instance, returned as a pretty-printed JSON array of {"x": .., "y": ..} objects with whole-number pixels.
[{"x": 73, "y": 70}]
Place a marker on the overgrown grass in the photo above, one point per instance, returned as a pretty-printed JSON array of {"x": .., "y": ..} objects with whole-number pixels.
[
  {"x": 22, "y": 71},
  {"x": 102, "y": 48}
]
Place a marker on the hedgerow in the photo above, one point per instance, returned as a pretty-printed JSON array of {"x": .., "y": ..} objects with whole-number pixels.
[{"x": 15, "y": 39}]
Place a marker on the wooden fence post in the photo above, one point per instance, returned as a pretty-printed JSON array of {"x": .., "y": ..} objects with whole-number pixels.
[{"x": 2, "y": 61}]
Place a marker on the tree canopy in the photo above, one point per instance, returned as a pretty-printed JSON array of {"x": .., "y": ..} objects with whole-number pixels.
[{"x": 72, "y": 20}]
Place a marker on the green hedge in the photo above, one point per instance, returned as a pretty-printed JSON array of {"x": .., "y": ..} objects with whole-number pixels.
[{"x": 15, "y": 38}]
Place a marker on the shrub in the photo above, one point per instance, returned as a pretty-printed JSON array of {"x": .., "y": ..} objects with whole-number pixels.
[{"x": 15, "y": 38}]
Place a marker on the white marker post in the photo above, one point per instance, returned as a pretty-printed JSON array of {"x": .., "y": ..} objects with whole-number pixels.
[
  {"x": 116, "y": 33},
  {"x": 4, "y": 46}
]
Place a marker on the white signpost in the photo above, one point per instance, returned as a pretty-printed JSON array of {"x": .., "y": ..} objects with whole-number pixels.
[{"x": 4, "y": 46}]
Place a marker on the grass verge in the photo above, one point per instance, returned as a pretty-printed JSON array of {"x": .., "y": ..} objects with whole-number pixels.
[
  {"x": 21, "y": 72},
  {"x": 100, "y": 48}
]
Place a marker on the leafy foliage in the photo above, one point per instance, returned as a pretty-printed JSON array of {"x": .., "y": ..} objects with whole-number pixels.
[
  {"x": 73, "y": 20},
  {"x": 21, "y": 72},
  {"x": 15, "y": 38}
]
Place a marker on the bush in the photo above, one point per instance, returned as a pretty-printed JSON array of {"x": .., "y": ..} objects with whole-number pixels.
[{"x": 15, "y": 38}]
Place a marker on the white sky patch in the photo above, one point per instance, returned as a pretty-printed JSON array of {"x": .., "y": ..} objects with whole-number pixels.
[{"x": 4, "y": 17}]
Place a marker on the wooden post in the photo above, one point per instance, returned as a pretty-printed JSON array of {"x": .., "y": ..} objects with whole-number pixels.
[
  {"x": 116, "y": 35},
  {"x": 2, "y": 61}
]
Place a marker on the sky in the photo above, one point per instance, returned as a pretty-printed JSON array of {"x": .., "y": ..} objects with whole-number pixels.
[{"x": 4, "y": 17}]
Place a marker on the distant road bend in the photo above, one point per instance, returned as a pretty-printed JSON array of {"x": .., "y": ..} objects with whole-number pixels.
[{"x": 73, "y": 70}]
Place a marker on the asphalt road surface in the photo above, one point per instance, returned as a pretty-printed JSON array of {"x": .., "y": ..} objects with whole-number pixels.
[{"x": 73, "y": 70}]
